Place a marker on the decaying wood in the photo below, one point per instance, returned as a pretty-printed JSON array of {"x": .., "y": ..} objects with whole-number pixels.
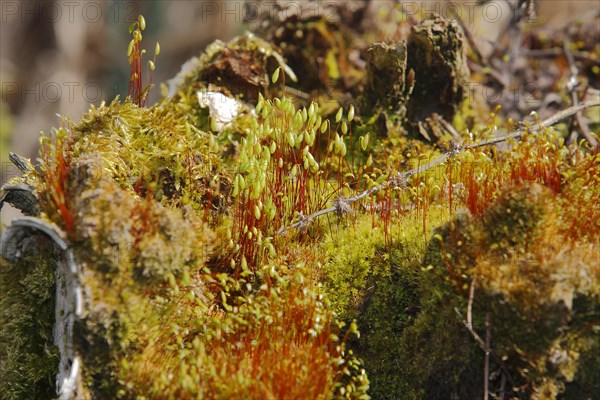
[
  {"x": 21, "y": 196},
  {"x": 19, "y": 239}
]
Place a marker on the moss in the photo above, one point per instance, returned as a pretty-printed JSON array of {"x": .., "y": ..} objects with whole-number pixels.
[
  {"x": 29, "y": 359},
  {"x": 515, "y": 220},
  {"x": 133, "y": 188},
  {"x": 379, "y": 285},
  {"x": 196, "y": 284},
  {"x": 387, "y": 310},
  {"x": 243, "y": 345},
  {"x": 525, "y": 284},
  {"x": 436, "y": 357},
  {"x": 351, "y": 257},
  {"x": 134, "y": 229},
  {"x": 586, "y": 382},
  {"x": 150, "y": 151}
]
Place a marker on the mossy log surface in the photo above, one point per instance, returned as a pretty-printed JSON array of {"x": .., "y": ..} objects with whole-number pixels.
[{"x": 238, "y": 240}]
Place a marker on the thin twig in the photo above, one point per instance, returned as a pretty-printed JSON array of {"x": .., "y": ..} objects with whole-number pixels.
[
  {"x": 486, "y": 349},
  {"x": 559, "y": 116},
  {"x": 475, "y": 335},
  {"x": 502, "y": 387},
  {"x": 486, "y": 365},
  {"x": 552, "y": 53},
  {"x": 492, "y": 73},
  {"x": 470, "y": 303},
  {"x": 571, "y": 86},
  {"x": 401, "y": 178}
]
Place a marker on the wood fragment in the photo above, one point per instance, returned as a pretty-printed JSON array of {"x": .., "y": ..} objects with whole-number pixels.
[{"x": 572, "y": 84}]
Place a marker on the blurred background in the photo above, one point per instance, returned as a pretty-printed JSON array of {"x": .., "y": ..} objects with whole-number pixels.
[{"x": 58, "y": 57}]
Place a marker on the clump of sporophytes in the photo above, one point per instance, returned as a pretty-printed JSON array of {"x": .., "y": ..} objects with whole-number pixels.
[
  {"x": 291, "y": 162},
  {"x": 134, "y": 182},
  {"x": 514, "y": 235},
  {"x": 135, "y": 53}
]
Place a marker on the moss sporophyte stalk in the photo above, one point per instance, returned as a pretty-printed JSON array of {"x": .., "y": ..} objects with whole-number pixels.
[{"x": 236, "y": 253}]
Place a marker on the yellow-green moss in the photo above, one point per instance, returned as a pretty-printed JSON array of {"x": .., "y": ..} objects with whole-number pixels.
[
  {"x": 194, "y": 287},
  {"x": 134, "y": 189},
  {"x": 530, "y": 280},
  {"x": 378, "y": 285}
]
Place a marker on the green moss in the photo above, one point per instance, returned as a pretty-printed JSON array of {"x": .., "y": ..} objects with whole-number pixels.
[
  {"x": 195, "y": 287},
  {"x": 515, "y": 220},
  {"x": 525, "y": 284},
  {"x": 586, "y": 382},
  {"x": 238, "y": 345},
  {"x": 379, "y": 285},
  {"x": 29, "y": 359},
  {"x": 138, "y": 186},
  {"x": 150, "y": 151},
  {"x": 351, "y": 257},
  {"x": 437, "y": 359},
  {"x": 134, "y": 189}
]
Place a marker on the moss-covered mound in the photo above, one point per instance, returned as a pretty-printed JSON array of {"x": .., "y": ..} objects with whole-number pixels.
[
  {"x": 229, "y": 241},
  {"x": 173, "y": 307}
]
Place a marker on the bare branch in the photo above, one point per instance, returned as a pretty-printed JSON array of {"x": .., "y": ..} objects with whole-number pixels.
[
  {"x": 487, "y": 349},
  {"x": 551, "y": 53},
  {"x": 475, "y": 335},
  {"x": 470, "y": 304},
  {"x": 486, "y": 364},
  {"x": 571, "y": 86},
  {"x": 559, "y": 116}
]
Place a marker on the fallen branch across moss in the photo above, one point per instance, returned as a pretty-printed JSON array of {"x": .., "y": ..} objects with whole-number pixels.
[{"x": 402, "y": 177}]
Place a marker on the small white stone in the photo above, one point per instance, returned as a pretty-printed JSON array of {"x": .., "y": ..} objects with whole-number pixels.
[{"x": 223, "y": 109}]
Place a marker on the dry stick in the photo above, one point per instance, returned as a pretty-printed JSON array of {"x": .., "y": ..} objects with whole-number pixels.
[
  {"x": 502, "y": 387},
  {"x": 469, "y": 324},
  {"x": 401, "y": 178},
  {"x": 486, "y": 365},
  {"x": 552, "y": 53},
  {"x": 470, "y": 303},
  {"x": 488, "y": 351},
  {"x": 571, "y": 85},
  {"x": 567, "y": 112}
]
